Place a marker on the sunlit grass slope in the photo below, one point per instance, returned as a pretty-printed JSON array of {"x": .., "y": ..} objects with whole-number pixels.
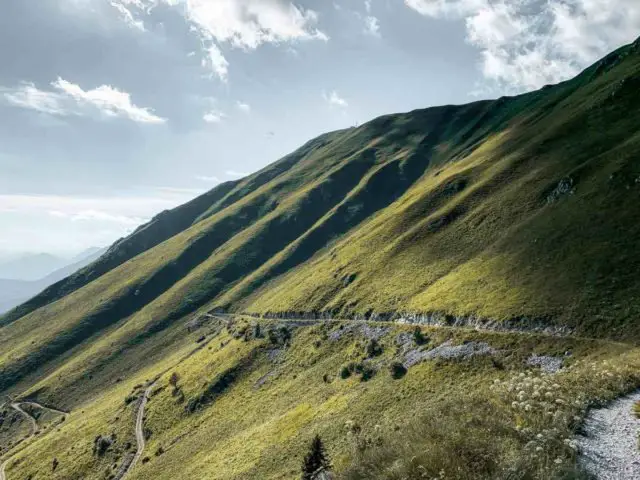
[{"x": 245, "y": 404}]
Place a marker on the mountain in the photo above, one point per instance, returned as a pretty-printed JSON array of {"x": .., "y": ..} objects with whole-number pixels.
[
  {"x": 15, "y": 292},
  {"x": 517, "y": 212},
  {"x": 30, "y": 266}
]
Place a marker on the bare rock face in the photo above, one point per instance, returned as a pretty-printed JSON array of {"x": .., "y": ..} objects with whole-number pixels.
[
  {"x": 564, "y": 187},
  {"x": 446, "y": 351}
]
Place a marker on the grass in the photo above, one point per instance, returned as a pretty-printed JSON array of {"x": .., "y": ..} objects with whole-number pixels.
[{"x": 260, "y": 424}]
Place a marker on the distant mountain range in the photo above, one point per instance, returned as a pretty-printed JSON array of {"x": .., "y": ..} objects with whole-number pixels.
[{"x": 22, "y": 278}]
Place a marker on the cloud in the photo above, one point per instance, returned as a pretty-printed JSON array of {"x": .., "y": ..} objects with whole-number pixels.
[
  {"x": 205, "y": 178},
  {"x": 371, "y": 23},
  {"x": 244, "y": 24},
  {"x": 334, "y": 99},
  {"x": 69, "y": 99},
  {"x": 98, "y": 216},
  {"x": 126, "y": 15},
  {"x": 250, "y": 23},
  {"x": 233, "y": 173},
  {"x": 126, "y": 210},
  {"x": 372, "y": 26},
  {"x": 245, "y": 107},
  {"x": 216, "y": 62},
  {"x": 526, "y": 44},
  {"x": 213, "y": 116}
]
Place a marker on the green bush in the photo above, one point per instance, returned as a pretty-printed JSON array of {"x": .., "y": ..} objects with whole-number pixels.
[
  {"x": 374, "y": 349},
  {"x": 418, "y": 337},
  {"x": 398, "y": 370}
]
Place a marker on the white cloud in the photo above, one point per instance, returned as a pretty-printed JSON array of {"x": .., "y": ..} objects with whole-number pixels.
[
  {"x": 372, "y": 26},
  {"x": 68, "y": 99},
  {"x": 28, "y": 96},
  {"x": 216, "y": 62},
  {"x": 245, "y": 107},
  {"x": 528, "y": 43},
  {"x": 126, "y": 15},
  {"x": 233, "y": 173},
  {"x": 127, "y": 210},
  {"x": 334, "y": 99},
  {"x": 60, "y": 223},
  {"x": 98, "y": 216},
  {"x": 244, "y": 24},
  {"x": 213, "y": 116},
  {"x": 250, "y": 23},
  {"x": 207, "y": 178}
]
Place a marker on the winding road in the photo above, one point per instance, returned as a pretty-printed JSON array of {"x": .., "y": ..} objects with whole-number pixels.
[
  {"x": 34, "y": 426},
  {"x": 139, "y": 433},
  {"x": 34, "y": 430}
]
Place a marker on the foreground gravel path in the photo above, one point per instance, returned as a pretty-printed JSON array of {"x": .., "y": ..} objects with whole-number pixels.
[{"x": 609, "y": 446}]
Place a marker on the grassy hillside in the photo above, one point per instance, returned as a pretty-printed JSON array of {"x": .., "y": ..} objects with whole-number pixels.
[{"x": 521, "y": 207}]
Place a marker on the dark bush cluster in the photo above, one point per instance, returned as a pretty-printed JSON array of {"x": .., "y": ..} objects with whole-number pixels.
[
  {"x": 363, "y": 369},
  {"x": 374, "y": 349},
  {"x": 398, "y": 370},
  {"x": 102, "y": 444}
]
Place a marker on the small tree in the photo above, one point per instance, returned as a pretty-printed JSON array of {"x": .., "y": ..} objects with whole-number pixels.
[
  {"x": 419, "y": 337},
  {"x": 316, "y": 460},
  {"x": 174, "y": 379}
]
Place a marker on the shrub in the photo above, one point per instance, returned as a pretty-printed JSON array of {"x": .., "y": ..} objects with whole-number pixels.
[
  {"x": 398, "y": 370},
  {"x": 636, "y": 409},
  {"x": 316, "y": 461},
  {"x": 365, "y": 371},
  {"x": 374, "y": 349},
  {"x": 101, "y": 445},
  {"x": 419, "y": 337},
  {"x": 345, "y": 372},
  {"x": 174, "y": 379}
]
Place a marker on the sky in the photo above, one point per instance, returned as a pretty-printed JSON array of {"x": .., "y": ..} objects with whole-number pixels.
[{"x": 114, "y": 110}]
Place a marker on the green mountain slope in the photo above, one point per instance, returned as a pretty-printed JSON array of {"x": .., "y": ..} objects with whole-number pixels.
[{"x": 521, "y": 207}]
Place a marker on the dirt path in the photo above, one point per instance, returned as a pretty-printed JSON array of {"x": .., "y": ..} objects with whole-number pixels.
[
  {"x": 139, "y": 434},
  {"x": 609, "y": 446},
  {"x": 34, "y": 427},
  {"x": 51, "y": 409},
  {"x": 34, "y": 423},
  {"x": 3, "y": 466},
  {"x": 34, "y": 430}
]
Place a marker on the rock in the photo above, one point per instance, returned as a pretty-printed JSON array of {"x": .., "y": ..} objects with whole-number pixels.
[{"x": 547, "y": 364}]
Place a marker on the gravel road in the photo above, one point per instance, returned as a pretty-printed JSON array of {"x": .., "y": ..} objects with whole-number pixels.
[
  {"x": 609, "y": 446},
  {"x": 139, "y": 432}
]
